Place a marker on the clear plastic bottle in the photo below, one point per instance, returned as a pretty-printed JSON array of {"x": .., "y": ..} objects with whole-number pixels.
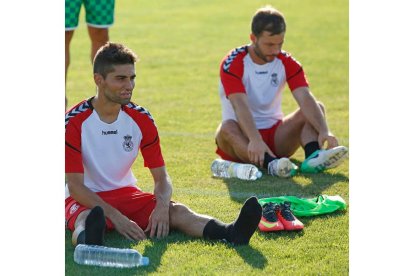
[
  {"x": 108, "y": 256},
  {"x": 227, "y": 169}
]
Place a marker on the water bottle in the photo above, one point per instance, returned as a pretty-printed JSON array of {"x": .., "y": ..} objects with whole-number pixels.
[
  {"x": 227, "y": 169},
  {"x": 108, "y": 256}
]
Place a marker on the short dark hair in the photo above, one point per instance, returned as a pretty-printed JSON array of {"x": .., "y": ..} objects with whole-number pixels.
[
  {"x": 112, "y": 54},
  {"x": 268, "y": 19}
]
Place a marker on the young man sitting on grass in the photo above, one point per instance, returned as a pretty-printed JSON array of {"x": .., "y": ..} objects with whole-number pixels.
[
  {"x": 253, "y": 128},
  {"x": 103, "y": 137}
]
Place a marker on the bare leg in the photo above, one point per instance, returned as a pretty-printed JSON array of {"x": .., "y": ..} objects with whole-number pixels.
[
  {"x": 237, "y": 232},
  {"x": 68, "y": 38},
  {"x": 309, "y": 134},
  {"x": 99, "y": 36},
  {"x": 231, "y": 139},
  {"x": 187, "y": 221},
  {"x": 92, "y": 224},
  {"x": 294, "y": 131},
  {"x": 79, "y": 225}
]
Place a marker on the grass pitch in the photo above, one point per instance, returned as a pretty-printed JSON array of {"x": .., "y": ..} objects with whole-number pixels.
[{"x": 180, "y": 44}]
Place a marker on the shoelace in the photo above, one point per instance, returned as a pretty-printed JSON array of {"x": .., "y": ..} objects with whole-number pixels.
[
  {"x": 286, "y": 212},
  {"x": 269, "y": 212}
]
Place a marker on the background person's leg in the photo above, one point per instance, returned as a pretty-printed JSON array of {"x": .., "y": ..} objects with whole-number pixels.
[
  {"x": 293, "y": 132},
  {"x": 98, "y": 36},
  {"x": 231, "y": 139},
  {"x": 99, "y": 16},
  {"x": 68, "y": 38}
]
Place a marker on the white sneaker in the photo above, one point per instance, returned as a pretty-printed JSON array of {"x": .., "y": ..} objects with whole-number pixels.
[
  {"x": 282, "y": 167},
  {"x": 324, "y": 159}
]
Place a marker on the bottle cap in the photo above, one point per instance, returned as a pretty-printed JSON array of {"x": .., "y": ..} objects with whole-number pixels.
[
  {"x": 144, "y": 261},
  {"x": 259, "y": 174}
]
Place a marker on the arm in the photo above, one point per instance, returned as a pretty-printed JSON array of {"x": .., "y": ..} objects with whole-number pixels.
[
  {"x": 256, "y": 147},
  {"x": 159, "y": 220},
  {"x": 89, "y": 199},
  {"x": 314, "y": 115}
]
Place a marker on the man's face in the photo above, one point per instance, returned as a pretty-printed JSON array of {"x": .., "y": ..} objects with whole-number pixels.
[
  {"x": 118, "y": 85},
  {"x": 267, "y": 46}
]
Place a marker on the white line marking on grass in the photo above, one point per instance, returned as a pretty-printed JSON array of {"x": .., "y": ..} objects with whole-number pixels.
[
  {"x": 186, "y": 134},
  {"x": 224, "y": 193}
]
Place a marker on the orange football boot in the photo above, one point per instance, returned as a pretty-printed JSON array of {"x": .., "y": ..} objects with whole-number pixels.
[
  {"x": 289, "y": 221},
  {"x": 269, "y": 221}
]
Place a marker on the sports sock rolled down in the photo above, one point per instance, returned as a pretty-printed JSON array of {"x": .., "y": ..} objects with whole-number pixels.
[
  {"x": 81, "y": 238},
  {"x": 310, "y": 148},
  {"x": 240, "y": 231}
]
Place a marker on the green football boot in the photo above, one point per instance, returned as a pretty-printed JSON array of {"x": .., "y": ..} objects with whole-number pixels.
[{"x": 323, "y": 159}]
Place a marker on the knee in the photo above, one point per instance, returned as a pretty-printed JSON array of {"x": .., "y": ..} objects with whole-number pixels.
[
  {"x": 99, "y": 36},
  {"x": 228, "y": 128},
  {"x": 177, "y": 208},
  {"x": 299, "y": 118},
  {"x": 176, "y": 211},
  {"x": 322, "y": 106}
]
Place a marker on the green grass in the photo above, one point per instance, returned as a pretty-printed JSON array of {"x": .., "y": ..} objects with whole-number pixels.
[{"x": 180, "y": 44}]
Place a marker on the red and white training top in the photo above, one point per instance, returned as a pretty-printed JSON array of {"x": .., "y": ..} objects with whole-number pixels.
[
  {"x": 263, "y": 84},
  {"x": 103, "y": 152}
]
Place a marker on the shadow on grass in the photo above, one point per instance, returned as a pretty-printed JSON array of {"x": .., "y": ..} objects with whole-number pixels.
[
  {"x": 302, "y": 185},
  {"x": 154, "y": 251},
  {"x": 281, "y": 234},
  {"x": 307, "y": 221},
  {"x": 251, "y": 256}
]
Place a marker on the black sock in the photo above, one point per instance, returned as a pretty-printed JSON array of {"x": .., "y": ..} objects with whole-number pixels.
[
  {"x": 81, "y": 238},
  {"x": 240, "y": 231},
  {"x": 267, "y": 160},
  {"x": 217, "y": 230},
  {"x": 310, "y": 148},
  {"x": 95, "y": 226}
]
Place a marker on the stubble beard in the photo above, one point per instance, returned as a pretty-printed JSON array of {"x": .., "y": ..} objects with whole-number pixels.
[
  {"x": 115, "y": 99},
  {"x": 259, "y": 53}
]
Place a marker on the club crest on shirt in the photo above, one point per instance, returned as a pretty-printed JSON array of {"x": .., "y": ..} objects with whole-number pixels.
[
  {"x": 274, "y": 80},
  {"x": 127, "y": 144}
]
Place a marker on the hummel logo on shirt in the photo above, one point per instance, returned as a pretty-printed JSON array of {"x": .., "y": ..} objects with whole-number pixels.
[{"x": 109, "y": 132}]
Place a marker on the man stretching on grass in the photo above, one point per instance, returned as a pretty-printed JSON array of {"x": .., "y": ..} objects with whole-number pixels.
[
  {"x": 103, "y": 137},
  {"x": 253, "y": 129}
]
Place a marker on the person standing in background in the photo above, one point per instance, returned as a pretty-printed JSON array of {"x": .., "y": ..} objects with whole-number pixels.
[{"x": 99, "y": 17}]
